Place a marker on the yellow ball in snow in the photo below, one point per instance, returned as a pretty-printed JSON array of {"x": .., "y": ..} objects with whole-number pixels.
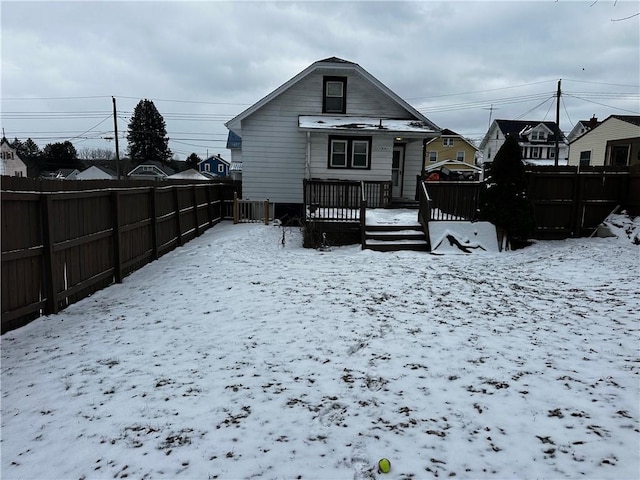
[{"x": 384, "y": 465}]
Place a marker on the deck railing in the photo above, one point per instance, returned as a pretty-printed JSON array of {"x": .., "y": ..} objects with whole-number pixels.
[
  {"x": 340, "y": 200},
  {"x": 252, "y": 211},
  {"x": 453, "y": 200}
]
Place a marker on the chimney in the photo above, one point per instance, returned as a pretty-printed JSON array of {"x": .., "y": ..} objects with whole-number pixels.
[{"x": 593, "y": 122}]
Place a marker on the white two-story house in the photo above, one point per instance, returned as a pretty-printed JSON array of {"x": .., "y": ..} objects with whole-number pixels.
[
  {"x": 10, "y": 162},
  {"x": 333, "y": 120},
  {"x": 537, "y": 141}
]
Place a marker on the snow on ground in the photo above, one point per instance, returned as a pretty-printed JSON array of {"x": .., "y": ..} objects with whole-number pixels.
[{"x": 243, "y": 355}]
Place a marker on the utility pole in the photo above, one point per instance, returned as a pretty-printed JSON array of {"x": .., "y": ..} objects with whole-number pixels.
[
  {"x": 115, "y": 131},
  {"x": 558, "y": 123}
]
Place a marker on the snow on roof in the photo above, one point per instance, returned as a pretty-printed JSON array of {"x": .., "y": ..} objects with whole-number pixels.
[{"x": 369, "y": 124}]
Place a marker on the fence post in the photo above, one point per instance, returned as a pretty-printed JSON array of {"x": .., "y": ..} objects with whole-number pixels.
[
  {"x": 363, "y": 222},
  {"x": 176, "y": 197},
  {"x": 209, "y": 216},
  {"x": 115, "y": 219},
  {"x": 47, "y": 242},
  {"x": 235, "y": 208},
  {"x": 194, "y": 197},
  {"x": 153, "y": 206},
  {"x": 266, "y": 212}
]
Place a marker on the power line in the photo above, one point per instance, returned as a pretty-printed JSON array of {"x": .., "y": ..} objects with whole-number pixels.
[
  {"x": 481, "y": 91},
  {"x": 604, "y": 105}
]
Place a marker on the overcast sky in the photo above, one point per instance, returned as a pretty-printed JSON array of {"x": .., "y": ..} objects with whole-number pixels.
[{"x": 202, "y": 63}]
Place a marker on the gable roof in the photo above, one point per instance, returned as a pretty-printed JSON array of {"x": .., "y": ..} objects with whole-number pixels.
[
  {"x": 632, "y": 119},
  {"x": 334, "y": 63},
  {"x": 215, "y": 157},
  {"x": 163, "y": 168},
  {"x": 515, "y": 127},
  {"x": 233, "y": 141},
  {"x": 450, "y": 133}
]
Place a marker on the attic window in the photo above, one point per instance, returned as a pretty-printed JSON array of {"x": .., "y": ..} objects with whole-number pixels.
[
  {"x": 538, "y": 135},
  {"x": 334, "y": 99},
  {"x": 447, "y": 142}
]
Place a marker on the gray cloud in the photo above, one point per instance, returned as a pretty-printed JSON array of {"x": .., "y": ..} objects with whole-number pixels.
[{"x": 213, "y": 59}]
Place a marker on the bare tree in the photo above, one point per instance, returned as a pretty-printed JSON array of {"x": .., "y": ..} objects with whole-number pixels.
[{"x": 96, "y": 154}]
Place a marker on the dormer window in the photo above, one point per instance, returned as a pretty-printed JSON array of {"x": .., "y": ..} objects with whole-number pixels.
[
  {"x": 538, "y": 135},
  {"x": 335, "y": 95}
]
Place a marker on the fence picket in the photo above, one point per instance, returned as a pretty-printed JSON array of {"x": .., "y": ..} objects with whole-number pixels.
[{"x": 92, "y": 237}]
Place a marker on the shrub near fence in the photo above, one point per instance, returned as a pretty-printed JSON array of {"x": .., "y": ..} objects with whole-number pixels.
[{"x": 60, "y": 247}]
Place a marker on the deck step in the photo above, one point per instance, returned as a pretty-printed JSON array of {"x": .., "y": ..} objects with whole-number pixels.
[{"x": 391, "y": 238}]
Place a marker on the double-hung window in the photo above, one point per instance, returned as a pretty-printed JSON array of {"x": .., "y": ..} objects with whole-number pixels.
[
  {"x": 460, "y": 156},
  {"x": 334, "y": 99},
  {"x": 447, "y": 142},
  {"x": 350, "y": 152},
  {"x": 585, "y": 158}
]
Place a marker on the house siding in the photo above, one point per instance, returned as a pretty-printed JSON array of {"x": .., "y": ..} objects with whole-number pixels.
[
  {"x": 412, "y": 168},
  {"x": 274, "y": 150},
  {"x": 596, "y": 140},
  {"x": 13, "y": 165}
]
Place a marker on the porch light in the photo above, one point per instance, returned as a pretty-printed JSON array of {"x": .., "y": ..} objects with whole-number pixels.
[{"x": 398, "y": 139}]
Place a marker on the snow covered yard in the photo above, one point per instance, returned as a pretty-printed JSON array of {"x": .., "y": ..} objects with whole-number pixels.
[{"x": 238, "y": 356}]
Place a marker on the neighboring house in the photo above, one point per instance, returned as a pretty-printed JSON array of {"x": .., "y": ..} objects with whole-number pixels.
[
  {"x": 615, "y": 141},
  {"x": 582, "y": 127},
  {"x": 333, "y": 120},
  {"x": 215, "y": 165},
  {"x": 96, "y": 172},
  {"x": 537, "y": 141},
  {"x": 235, "y": 170},
  {"x": 451, "y": 153},
  {"x": 151, "y": 171},
  {"x": 62, "y": 174},
  {"x": 10, "y": 162},
  {"x": 189, "y": 174}
]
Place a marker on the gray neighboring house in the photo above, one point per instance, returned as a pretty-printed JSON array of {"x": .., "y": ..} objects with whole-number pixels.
[
  {"x": 95, "y": 172},
  {"x": 151, "y": 170},
  {"x": 333, "y": 120}
]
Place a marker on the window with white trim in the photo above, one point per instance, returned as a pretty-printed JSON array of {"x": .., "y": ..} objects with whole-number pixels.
[
  {"x": 433, "y": 156},
  {"x": 460, "y": 156},
  {"x": 221, "y": 168},
  {"x": 334, "y": 99},
  {"x": 535, "y": 152},
  {"x": 350, "y": 152},
  {"x": 207, "y": 167},
  {"x": 447, "y": 142},
  {"x": 538, "y": 135}
]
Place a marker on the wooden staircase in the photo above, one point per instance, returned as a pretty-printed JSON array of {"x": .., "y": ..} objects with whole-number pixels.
[{"x": 392, "y": 238}]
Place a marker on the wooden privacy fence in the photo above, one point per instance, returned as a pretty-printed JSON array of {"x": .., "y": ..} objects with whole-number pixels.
[
  {"x": 567, "y": 201},
  {"x": 571, "y": 202},
  {"x": 60, "y": 247}
]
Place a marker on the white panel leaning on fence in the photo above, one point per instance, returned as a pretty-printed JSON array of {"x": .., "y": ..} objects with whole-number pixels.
[{"x": 252, "y": 211}]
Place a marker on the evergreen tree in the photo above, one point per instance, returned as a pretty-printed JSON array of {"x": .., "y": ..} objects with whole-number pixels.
[
  {"x": 147, "y": 135},
  {"x": 60, "y": 155},
  {"x": 503, "y": 198},
  {"x": 31, "y": 149},
  {"x": 192, "y": 161}
]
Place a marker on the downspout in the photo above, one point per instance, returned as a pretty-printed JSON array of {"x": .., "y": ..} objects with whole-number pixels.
[{"x": 308, "y": 157}]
